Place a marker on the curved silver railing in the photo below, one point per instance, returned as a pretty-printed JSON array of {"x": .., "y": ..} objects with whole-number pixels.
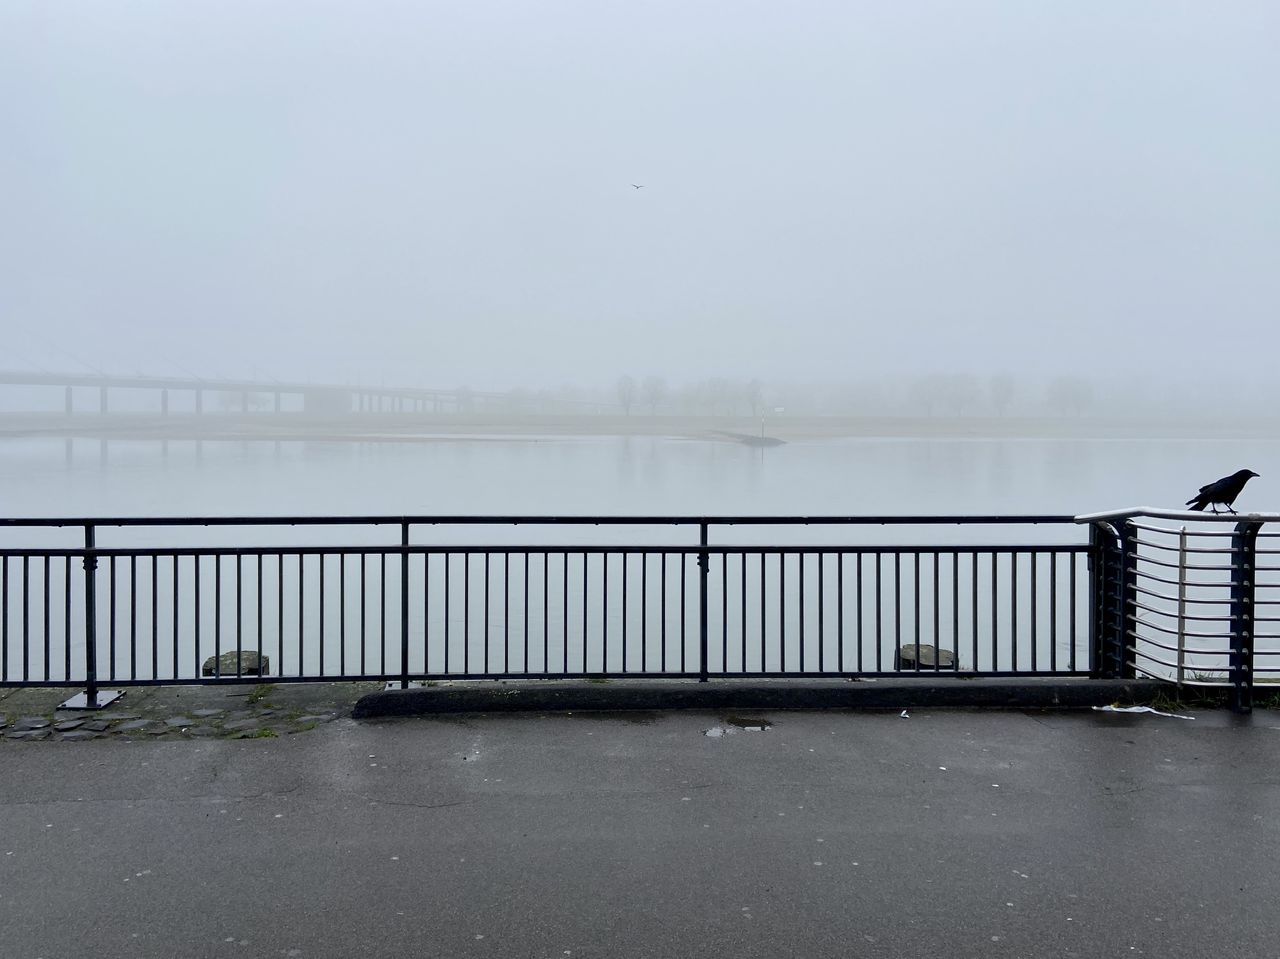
[{"x": 1195, "y": 597}]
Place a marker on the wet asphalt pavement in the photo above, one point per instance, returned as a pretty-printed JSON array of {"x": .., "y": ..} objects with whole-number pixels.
[{"x": 948, "y": 834}]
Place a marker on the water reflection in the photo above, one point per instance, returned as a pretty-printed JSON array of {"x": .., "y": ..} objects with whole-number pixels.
[{"x": 798, "y": 613}]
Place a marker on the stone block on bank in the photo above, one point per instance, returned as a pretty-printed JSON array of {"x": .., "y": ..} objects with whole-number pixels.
[
  {"x": 928, "y": 656},
  {"x": 251, "y": 664}
]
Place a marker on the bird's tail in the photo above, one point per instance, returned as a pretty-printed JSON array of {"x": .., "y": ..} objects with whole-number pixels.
[{"x": 1197, "y": 505}]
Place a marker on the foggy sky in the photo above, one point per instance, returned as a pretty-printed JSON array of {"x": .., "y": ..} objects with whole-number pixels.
[{"x": 437, "y": 194}]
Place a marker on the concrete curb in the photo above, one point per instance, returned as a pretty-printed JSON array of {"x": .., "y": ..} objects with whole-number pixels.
[{"x": 565, "y": 696}]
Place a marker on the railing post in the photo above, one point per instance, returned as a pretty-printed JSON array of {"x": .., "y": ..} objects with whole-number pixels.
[
  {"x": 704, "y": 565},
  {"x": 1182, "y": 605},
  {"x": 1101, "y": 553},
  {"x": 1243, "y": 563},
  {"x": 92, "y": 697},
  {"x": 90, "y": 619},
  {"x": 1112, "y": 601},
  {"x": 404, "y": 608},
  {"x": 1128, "y": 605}
]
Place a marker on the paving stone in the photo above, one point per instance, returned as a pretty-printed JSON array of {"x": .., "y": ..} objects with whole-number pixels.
[
  {"x": 115, "y": 717},
  {"x": 207, "y": 713},
  {"x": 201, "y": 731},
  {"x": 97, "y": 725},
  {"x": 133, "y": 725},
  {"x": 241, "y": 724},
  {"x": 316, "y": 719},
  {"x": 22, "y": 734},
  {"x": 31, "y": 722},
  {"x": 78, "y": 735},
  {"x": 179, "y": 722},
  {"x": 3, "y": 720},
  {"x": 66, "y": 725}
]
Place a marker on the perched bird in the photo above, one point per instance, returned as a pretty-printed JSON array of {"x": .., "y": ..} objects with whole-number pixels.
[{"x": 1222, "y": 491}]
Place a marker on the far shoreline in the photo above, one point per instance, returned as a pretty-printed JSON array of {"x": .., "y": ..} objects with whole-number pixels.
[{"x": 497, "y": 427}]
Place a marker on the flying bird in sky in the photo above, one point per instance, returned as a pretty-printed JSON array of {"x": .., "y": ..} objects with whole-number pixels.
[
  {"x": 638, "y": 186},
  {"x": 1222, "y": 491}
]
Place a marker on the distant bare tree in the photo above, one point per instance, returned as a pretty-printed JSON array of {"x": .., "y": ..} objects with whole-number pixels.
[
  {"x": 1002, "y": 389},
  {"x": 655, "y": 392},
  {"x": 963, "y": 393},
  {"x": 754, "y": 392},
  {"x": 1070, "y": 395},
  {"x": 929, "y": 392},
  {"x": 719, "y": 396},
  {"x": 626, "y": 393}
]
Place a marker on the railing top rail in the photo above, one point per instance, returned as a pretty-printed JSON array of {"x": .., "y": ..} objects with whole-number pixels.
[
  {"x": 497, "y": 549},
  {"x": 525, "y": 520},
  {"x": 1178, "y": 514}
]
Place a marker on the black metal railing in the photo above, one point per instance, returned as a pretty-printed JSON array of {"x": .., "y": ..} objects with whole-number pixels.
[
  {"x": 1188, "y": 598},
  {"x": 546, "y": 597}
]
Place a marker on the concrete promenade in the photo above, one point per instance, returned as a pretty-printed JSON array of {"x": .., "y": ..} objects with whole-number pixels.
[{"x": 949, "y": 833}]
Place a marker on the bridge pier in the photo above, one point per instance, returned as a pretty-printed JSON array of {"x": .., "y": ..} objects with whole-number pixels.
[{"x": 102, "y": 399}]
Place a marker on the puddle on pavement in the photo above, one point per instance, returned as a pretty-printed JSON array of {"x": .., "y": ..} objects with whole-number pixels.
[{"x": 735, "y": 724}]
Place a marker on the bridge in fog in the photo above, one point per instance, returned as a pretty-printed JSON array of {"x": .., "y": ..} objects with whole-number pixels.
[{"x": 101, "y": 393}]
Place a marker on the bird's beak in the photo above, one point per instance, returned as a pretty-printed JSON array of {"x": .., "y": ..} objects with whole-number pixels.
[{"x": 1252, "y": 473}]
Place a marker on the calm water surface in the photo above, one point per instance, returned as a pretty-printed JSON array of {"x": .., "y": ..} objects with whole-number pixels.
[
  {"x": 532, "y": 615},
  {"x": 609, "y": 475}
]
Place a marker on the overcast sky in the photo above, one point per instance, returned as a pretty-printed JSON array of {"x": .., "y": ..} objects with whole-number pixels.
[{"x": 437, "y": 194}]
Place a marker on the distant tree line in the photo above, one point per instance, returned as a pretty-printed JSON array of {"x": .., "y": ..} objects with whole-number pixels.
[{"x": 934, "y": 395}]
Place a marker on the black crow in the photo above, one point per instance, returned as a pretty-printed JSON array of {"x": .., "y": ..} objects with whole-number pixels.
[{"x": 1223, "y": 491}]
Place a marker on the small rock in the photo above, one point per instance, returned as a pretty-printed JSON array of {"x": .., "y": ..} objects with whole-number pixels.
[
  {"x": 31, "y": 722},
  {"x": 79, "y": 735},
  {"x": 201, "y": 731},
  {"x": 179, "y": 722},
  {"x": 66, "y": 725},
  {"x": 250, "y": 664},
  {"x": 316, "y": 719},
  {"x": 133, "y": 725}
]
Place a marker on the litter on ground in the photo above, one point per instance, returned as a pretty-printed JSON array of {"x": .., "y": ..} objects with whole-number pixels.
[{"x": 1138, "y": 709}]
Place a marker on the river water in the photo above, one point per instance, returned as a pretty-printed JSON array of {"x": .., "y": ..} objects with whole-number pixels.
[
  {"x": 612, "y": 475},
  {"x": 580, "y": 613}
]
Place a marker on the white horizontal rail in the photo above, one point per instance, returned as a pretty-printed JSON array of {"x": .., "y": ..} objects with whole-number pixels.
[{"x": 1178, "y": 514}]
